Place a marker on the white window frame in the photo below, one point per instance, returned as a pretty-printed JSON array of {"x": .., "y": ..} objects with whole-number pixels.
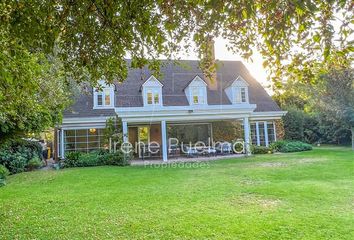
[
  {"x": 199, "y": 94},
  {"x": 105, "y": 90},
  {"x": 234, "y": 91},
  {"x": 153, "y": 86},
  {"x": 237, "y": 93},
  {"x": 154, "y": 91}
]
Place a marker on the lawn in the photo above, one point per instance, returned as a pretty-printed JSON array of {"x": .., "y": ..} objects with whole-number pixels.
[{"x": 307, "y": 195}]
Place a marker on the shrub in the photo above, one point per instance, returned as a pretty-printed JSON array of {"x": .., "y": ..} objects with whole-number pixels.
[
  {"x": 96, "y": 158},
  {"x": 34, "y": 163},
  {"x": 295, "y": 146},
  {"x": 276, "y": 146},
  {"x": 15, "y": 154},
  {"x": 71, "y": 159},
  {"x": 118, "y": 159},
  {"x": 3, "y": 174},
  {"x": 260, "y": 149}
]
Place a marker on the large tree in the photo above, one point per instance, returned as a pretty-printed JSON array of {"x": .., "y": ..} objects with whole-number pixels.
[{"x": 94, "y": 36}]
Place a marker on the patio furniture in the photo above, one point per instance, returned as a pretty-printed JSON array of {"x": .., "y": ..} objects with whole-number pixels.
[{"x": 224, "y": 148}]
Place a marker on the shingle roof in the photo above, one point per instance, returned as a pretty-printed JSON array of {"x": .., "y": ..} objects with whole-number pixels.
[{"x": 174, "y": 78}]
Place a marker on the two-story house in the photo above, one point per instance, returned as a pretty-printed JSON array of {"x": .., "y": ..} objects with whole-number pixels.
[{"x": 150, "y": 105}]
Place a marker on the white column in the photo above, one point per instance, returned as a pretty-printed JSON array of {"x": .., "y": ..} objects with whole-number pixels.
[
  {"x": 125, "y": 131},
  {"x": 266, "y": 134},
  {"x": 257, "y": 134},
  {"x": 275, "y": 133},
  {"x": 246, "y": 126},
  {"x": 164, "y": 140},
  {"x": 62, "y": 155}
]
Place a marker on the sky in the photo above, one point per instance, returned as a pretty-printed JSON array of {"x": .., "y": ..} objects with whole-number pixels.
[{"x": 221, "y": 53}]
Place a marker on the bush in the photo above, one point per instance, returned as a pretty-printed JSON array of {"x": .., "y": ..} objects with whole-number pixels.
[
  {"x": 71, "y": 159},
  {"x": 3, "y": 174},
  {"x": 276, "y": 146},
  {"x": 117, "y": 159},
  {"x": 15, "y": 154},
  {"x": 290, "y": 146},
  {"x": 34, "y": 163},
  {"x": 296, "y": 146},
  {"x": 96, "y": 158},
  {"x": 260, "y": 149}
]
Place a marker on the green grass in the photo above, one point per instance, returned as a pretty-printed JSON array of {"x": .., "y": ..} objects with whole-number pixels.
[{"x": 308, "y": 195}]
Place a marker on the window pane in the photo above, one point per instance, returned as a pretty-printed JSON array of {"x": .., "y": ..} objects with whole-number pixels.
[
  {"x": 81, "y": 132},
  {"x": 149, "y": 97},
  {"x": 107, "y": 97},
  {"x": 156, "y": 98},
  {"x": 270, "y": 128},
  {"x": 253, "y": 133},
  {"x": 99, "y": 99},
  {"x": 243, "y": 94},
  {"x": 195, "y": 99},
  {"x": 261, "y": 133},
  {"x": 237, "y": 95},
  {"x": 69, "y": 133}
]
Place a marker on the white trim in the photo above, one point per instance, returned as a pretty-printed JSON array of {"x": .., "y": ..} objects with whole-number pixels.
[
  {"x": 275, "y": 133},
  {"x": 152, "y": 79},
  {"x": 62, "y": 152},
  {"x": 246, "y": 127},
  {"x": 111, "y": 98},
  {"x": 257, "y": 134},
  {"x": 266, "y": 133},
  {"x": 125, "y": 131},
  {"x": 164, "y": 140}
]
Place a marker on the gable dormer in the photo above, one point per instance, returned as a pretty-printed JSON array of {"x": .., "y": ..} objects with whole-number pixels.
[
  {"x": 103, "y": 95},
  {"x": 196, "y": 92},
  {"x": 152, "y": 92},
  {"x": 237, "y": 92}
]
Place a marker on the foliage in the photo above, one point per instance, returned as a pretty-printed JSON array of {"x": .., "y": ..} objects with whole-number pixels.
[
  {"x": 226, "y": 131},
  {"x": 260, "y": 149},
  {"x": 290, "y": 146},
  {"x": 278, "y": 145},
  {"x": 114, "y": 131},
  {"x": 117, "y": 158},
  {"x": 95, "y": 158},
  {"x": 4, "y": 172},
  {"x": 34, "y": 163},
  {"x": 15, "y": 154},
  {"x": 293, "y": 124},
  {"x": 95, "y": 36}
]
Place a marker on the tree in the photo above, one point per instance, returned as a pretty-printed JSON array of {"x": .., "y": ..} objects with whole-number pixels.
[
  {"x": 336, "y": 96},
  {"x": 91, "y": 39}
]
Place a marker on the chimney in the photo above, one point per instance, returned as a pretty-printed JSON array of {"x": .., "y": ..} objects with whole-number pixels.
[{"x": 209, "y": 64}]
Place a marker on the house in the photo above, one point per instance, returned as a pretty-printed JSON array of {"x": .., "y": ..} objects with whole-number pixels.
[{"x": 178, "y": 101}]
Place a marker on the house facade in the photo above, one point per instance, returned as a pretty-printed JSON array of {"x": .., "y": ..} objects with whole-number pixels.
[{"x": 179, "y": 103}]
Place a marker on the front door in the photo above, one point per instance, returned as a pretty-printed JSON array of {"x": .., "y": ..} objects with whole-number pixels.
[{"x": 144, "y": 139}]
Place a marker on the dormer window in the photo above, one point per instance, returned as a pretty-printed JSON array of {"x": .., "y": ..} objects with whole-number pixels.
[
  {"x": 104, "y": 97},
  {"x": 153, "y": 96},
  {"x": 238, "y": 91},
  {"x": 196, "y": 91},
  {"x": 240, "y": 94},
  {"x": 197, "y": 95},
  {"x": 152, "y": 92}
]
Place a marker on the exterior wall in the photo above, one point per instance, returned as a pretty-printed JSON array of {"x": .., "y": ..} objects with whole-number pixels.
[
  {"x": 279, "y": 129},
  {"x": 155, "y": 133}
]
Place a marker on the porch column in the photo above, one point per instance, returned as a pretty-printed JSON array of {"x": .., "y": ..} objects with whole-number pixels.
[
  {"x": 246, "y": 126},
  {"x": 62, "y": 154},
  {"x": 125, "y": 131},
  {"x": 266, "y": 134},
  {"x": 164, "y": 140}
]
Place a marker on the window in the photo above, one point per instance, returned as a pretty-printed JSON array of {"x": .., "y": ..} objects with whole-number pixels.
[
  {"x": 254, "y": 133},
  {"x": 153, "y": 96},
  {"x": 104, "y": 98},
  {"x": 197, "y": 95},
  {"x": 84, "y": 140},
  {"x": 271, "y": 132},
  {"x": 240, "y": 95}
]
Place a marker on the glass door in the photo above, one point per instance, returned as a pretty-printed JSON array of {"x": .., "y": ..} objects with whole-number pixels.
[{"x": 143, "y": 139}]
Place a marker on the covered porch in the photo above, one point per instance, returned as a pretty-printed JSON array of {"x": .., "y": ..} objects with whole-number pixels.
[{"x": 171, "y": 140}]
